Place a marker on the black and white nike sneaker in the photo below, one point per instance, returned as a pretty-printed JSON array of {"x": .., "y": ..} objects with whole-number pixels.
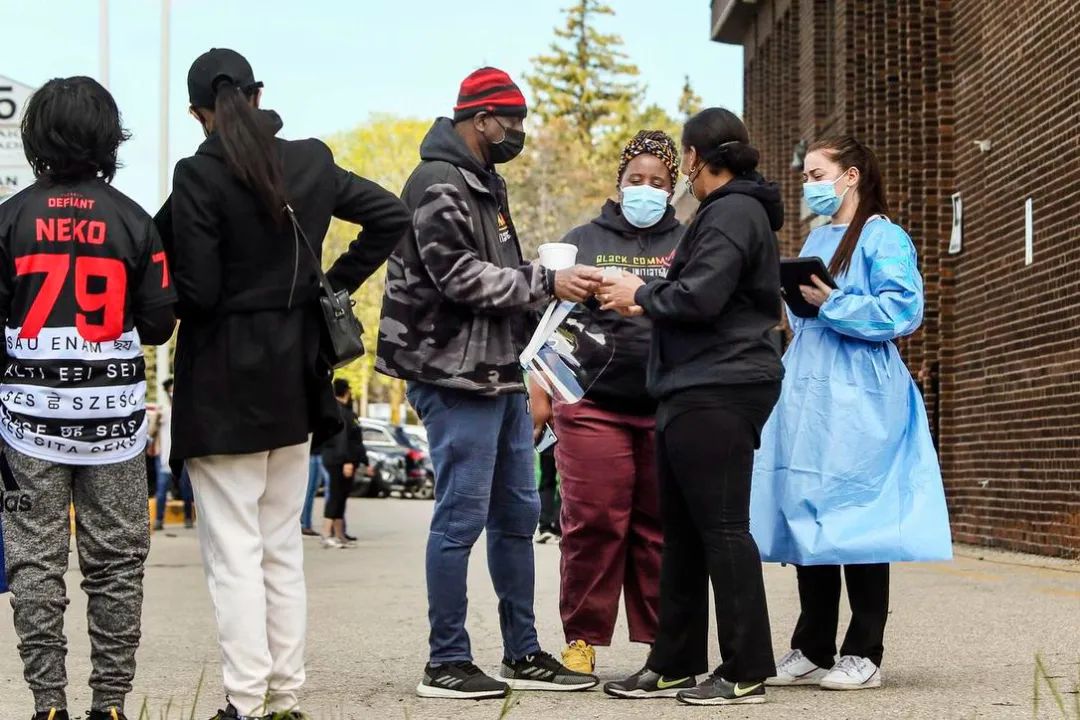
[
  {"x": 543, "y": 672},
  {"x": 459, "y": 681},
  {"x": 715, "y": 690},
  {"x": 645, "y": 685}
]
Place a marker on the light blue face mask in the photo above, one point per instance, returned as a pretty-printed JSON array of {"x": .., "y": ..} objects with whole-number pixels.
[
  {"x": 821, "y": 196},
  {"x": 643, "y": 205}
]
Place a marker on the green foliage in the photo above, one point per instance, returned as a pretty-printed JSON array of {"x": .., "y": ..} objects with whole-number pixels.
[
  {"x": 384, "y": 150},
  {"x": 586, "y": 79},
  {"x": 690, "y": 103}
]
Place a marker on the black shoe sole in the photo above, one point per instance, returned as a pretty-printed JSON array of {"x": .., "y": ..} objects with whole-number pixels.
[
  {"x": 748, "y": 700},
  {"x": 643, "y": 694},
  {"x": 541, "y": 686}
]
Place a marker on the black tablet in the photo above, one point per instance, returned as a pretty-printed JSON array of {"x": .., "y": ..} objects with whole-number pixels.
[{"x": 797, "y": 271}]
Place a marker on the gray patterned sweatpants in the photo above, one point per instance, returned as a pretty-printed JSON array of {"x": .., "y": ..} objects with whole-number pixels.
[{"x": 113, "y": 538}]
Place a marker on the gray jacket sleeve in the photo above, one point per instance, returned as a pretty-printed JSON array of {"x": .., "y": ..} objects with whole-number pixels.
[{"x": 447, "y": 246}]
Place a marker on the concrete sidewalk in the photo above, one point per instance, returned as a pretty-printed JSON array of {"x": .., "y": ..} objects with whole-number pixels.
[{"x": 961, "y": 642}]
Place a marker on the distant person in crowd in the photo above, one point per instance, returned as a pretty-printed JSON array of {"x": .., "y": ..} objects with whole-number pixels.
[
  {"x": 151, "y": 453},
  {"x": 612, "y": 535},
  {"x": 317, "y": 477},
  {"x": 548, "y": 529},
  {"x": 847, "y": 474},
  {"x": 251, "y": 385},
  {"x": 83, "y": 279},
  {"x": 716, "y": 373},
  {"x": 459, "y": 309},
  {"x": 344, "y": 455},
  {"x": 163, "y": 436}
]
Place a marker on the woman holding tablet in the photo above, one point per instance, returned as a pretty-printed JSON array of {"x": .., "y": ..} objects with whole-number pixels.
[{"x": 847, "y": 474}]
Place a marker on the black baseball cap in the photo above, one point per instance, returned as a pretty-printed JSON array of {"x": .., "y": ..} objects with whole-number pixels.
[{"x": 213, "y": 67}]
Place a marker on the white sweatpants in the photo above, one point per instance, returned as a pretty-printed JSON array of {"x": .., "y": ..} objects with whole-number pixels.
[{"x": 249, "y": 533}]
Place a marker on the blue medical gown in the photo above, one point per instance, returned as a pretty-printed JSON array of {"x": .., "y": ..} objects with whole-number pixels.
[{"x": 847, "y": 472}]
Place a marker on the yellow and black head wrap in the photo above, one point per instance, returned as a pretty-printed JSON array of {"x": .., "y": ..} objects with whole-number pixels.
[{"x": 651, "y": 142}]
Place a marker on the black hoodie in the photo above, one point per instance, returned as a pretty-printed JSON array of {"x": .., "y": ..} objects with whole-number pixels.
[
  {"x": 713, "y": 314},
  {"x": 610, "y": 241}
]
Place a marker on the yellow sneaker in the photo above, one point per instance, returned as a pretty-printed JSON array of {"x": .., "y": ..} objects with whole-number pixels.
[{"x": 579, "y": 656}]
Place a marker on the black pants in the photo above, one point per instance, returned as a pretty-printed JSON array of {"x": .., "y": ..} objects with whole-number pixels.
[
  {"x": 549, "y": 493},
  {"x": 819, "y": 598},
  {"x": 340, "y": 489},
  {"x": 705, "y": 457}
]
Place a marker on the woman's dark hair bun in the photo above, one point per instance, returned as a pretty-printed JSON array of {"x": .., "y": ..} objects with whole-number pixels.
[{"x": 721, "y": 140}]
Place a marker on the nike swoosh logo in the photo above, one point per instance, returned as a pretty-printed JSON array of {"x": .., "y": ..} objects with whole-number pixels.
[
  {"x": 741, "y": 691},
  {"x": 665, "y": 684}
]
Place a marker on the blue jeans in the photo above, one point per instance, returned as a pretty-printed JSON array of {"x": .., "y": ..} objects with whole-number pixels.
[
  {"x": 317, "y": 476},
  {"x": 164, "y": 481},
  {"x": 484, "y": 480}
]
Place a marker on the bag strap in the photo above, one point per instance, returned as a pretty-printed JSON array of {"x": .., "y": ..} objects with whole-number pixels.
[{"x": 298, "y": 233}]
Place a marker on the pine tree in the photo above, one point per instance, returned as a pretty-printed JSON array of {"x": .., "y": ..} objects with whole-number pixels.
[
  {"x": 586, "y": 79},
  {"x": 690, "y": 103}
]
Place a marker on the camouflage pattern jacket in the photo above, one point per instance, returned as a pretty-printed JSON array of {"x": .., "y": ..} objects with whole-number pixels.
[{"x": 460, "y": 302}]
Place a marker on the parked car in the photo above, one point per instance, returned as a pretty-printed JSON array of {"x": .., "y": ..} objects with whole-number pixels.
[
  {"x": 415, "y": 438},
  {"x": 418, "y": 480},
  {"x": 382, "y": 474}
]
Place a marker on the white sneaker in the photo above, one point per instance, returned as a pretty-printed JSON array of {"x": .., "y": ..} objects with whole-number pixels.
[
  {"x": 795, "y": 669},
  {"x": 853, "y": 673},
  {"x": 332, "y": 543}
]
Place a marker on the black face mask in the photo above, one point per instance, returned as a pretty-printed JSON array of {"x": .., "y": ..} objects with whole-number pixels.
[{"x": 512, "y": 144}]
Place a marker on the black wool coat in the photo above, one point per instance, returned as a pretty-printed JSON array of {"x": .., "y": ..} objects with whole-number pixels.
[{"x": 248, "y": 374}]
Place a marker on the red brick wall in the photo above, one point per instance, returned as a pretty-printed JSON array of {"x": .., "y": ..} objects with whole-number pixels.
[
  {"x": 1011, "y": 436},
  {"x": 920, "y": 81}
]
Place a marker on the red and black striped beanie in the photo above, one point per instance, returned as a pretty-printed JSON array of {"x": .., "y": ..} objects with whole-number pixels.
[{"x": 489, "y": 90}]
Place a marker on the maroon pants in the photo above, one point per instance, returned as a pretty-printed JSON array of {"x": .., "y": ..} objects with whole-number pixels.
[{"x": 612, "y": 536}]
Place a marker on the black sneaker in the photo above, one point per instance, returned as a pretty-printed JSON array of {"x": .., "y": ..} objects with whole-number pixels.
[
  {"x": 543, "y": 672},
  {"x": 459, "y": 681},
  {"x": 51, "y": 714},
  {"x": 717, "y": 691},
  {"x": 110, "y": 714},
  {"x": 645, "y": 684}
]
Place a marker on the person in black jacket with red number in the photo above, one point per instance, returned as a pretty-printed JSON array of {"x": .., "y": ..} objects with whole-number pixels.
[
  {"x": 717, "y": 376},
  {"x": 344, "y": 456},
  {"x": 251, "y": 389},
  {"x": 83, "y": 283}
]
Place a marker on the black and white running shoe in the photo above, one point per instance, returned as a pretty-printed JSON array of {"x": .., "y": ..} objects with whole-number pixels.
[
  {"x": 645, "y": 685},
  {"x": 459, "y": 681},
  {"x": 543, "y": 672}
]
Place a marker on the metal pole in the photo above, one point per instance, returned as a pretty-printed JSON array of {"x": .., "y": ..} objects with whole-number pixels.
[
  {"x": 161, "y": 360},
  {"x": 103, "y": 41}
]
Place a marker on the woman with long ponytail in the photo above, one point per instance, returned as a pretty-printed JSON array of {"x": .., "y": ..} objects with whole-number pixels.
[
  {"x": 846, "y": 476},
  {"x": 244, "y": 228}
]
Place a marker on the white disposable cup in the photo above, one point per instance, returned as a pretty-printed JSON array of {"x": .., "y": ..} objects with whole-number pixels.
[{"x": 558, "y": 256}]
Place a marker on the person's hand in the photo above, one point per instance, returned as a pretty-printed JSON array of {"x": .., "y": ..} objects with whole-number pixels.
[
  {"x": 542, "y": 411},
  {"x": 349, "y": 470},
  {"x": 818, "y": 294},
  {"x": 617, "y": 293},
  {"x": 577, "y": 283}
]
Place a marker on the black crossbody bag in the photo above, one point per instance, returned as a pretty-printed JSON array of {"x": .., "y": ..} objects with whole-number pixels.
[{"x": 344, "y": 335}]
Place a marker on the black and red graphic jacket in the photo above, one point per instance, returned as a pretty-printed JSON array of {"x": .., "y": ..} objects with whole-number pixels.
[{"x": 84, "y": 282}]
